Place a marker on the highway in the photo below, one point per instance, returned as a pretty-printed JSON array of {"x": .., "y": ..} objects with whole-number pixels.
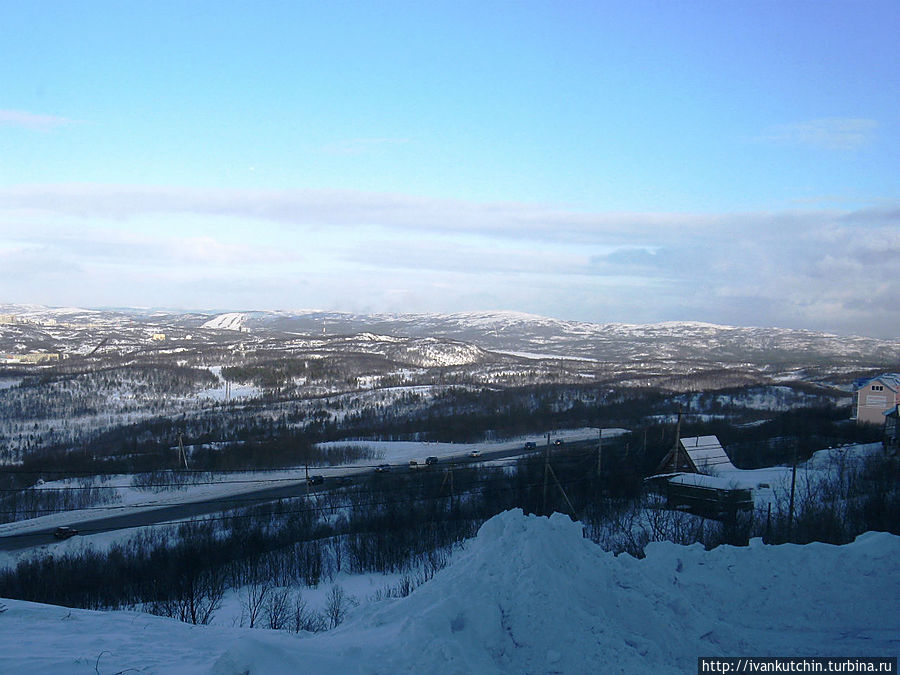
[{"x": 153, "y": 515}]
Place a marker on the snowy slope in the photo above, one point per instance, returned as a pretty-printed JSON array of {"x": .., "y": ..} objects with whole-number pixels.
[
  {"x": 229, "y": 321},
  {"x": 528, "y": 595}
]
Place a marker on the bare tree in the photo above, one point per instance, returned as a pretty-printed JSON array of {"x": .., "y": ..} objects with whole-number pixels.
[
  {"x": 254, "y": 596},
  {"x": 277, "y": 609},
  {"x": 305, "y": 619},
  {"x": 336, "y": 606}
]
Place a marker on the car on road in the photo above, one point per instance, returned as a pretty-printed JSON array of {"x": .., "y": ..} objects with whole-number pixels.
[
  {"x": 475, "y": 453},
  {"x": 559, "y": 441},
  {"x": 318, "y": 479},
  {"x": 431, "y": 461},
  {"x": 64, "y": 532},
  {"x": 530, "y": 445},
  {"x": 413, "y": 464},
  {"x": 382, "y": 468}
]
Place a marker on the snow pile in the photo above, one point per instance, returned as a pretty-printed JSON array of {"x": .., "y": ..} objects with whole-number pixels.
[{"x": 528, "y": 595}]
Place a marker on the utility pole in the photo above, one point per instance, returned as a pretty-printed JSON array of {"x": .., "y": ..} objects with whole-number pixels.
[
  {"x": 182, "y": 455},
  {"x": 546, "y": 473},
  {"x": 306, "y": 469},
  {"x": 678, "y": 441},
  {"x": 562, "y": 490},
  {"x": 448, "y": 474},
  {"x": 599, "y": 452},
  {"x": 791, "y": 507}
]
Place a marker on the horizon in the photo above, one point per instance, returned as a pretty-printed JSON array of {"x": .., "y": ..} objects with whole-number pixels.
[
  {"x": 213, "y": 312},
  {"x": 634, "y": 163}
]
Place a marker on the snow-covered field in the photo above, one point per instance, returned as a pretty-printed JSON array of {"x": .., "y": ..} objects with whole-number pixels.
[
  {"x": 528, "y": 595},
  {"x": 774, "y": 483}
]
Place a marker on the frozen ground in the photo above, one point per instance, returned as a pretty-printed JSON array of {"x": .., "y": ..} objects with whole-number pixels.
[{"x": 529, "y": 595}]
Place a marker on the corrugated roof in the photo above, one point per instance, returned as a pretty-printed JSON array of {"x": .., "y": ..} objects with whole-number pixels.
[{"x": 707, "y": 454}]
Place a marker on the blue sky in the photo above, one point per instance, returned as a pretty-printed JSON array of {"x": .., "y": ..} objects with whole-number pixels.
[{"x": 729, "y": 162}]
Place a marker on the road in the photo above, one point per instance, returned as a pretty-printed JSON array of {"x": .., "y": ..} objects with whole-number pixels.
[{"x": 153, "y": 515}]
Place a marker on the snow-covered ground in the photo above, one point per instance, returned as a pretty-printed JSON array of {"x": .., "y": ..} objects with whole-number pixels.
[
  {"x": 528, "y": 595},
  {"x": 399, "y": 453},
  {"x": 773, "y": 483},
  {"x": 404, "y": 451}
]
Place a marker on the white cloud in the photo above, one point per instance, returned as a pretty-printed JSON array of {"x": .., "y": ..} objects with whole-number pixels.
[
  {"x": 343, "y": 208},
  {"x": 823, "y": 269},
  {"x": 832, "y": 133},
  {"x": 28, "y": 120}
]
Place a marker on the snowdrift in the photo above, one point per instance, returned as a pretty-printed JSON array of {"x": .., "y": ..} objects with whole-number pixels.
[{"x": 528, "y": 595}]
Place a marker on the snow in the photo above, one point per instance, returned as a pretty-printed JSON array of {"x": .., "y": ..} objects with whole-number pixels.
[
  {"x": 402, "y": 451},
  {"x": 701, "y": 480},
  {"x": 133, "y": 500},
  {"x": 528, "y": 594},
  {"x": 228, "y": 321},
  {"x": 707, "y": 453},
  {"x": 10, "y": 382}
]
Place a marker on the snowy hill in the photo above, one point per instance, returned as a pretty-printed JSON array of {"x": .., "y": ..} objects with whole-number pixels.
[
  {"x": 79, "y": 330},
  {"x": 528, "y": 595}
]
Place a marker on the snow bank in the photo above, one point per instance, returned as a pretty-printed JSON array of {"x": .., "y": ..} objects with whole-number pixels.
[{"x": 528, "y": 595}]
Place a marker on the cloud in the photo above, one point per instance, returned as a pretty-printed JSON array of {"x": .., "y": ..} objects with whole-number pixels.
[
  {"x": 827, "y": 269},
  {"x": 348, "y": 208},
  {"x": 27, "y": 120},
  {"x": 832, "y": 133}
]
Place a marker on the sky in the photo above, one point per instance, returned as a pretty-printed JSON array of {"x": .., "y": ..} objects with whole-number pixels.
[{"x": 732, "y": 162}]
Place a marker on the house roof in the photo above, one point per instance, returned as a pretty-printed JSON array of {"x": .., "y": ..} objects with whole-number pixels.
[
  {"x": 701, "y": 480},
  {"x": 707, "y": 454},
  {"x": 891, "y": 380}
]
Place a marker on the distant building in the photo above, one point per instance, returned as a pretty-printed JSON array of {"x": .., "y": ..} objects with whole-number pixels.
[
  {"x": 158, "y": 337},
  {"x": 874, "y": 397},
  {"x": 698, "y": 454}
]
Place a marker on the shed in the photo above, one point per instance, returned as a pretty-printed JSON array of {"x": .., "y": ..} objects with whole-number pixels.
[{"x": 707, "y": 494}]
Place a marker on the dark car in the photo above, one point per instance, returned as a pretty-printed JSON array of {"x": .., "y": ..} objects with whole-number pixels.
[
  {"x": 558, "y": 441},
  {"x": 382, "y": 468},
  {"x": 64, "y": 532},
  {"x": 530, "y": 445},
  {"x": 430, "y": 461},
  {"x": 318, "y": 479}
]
